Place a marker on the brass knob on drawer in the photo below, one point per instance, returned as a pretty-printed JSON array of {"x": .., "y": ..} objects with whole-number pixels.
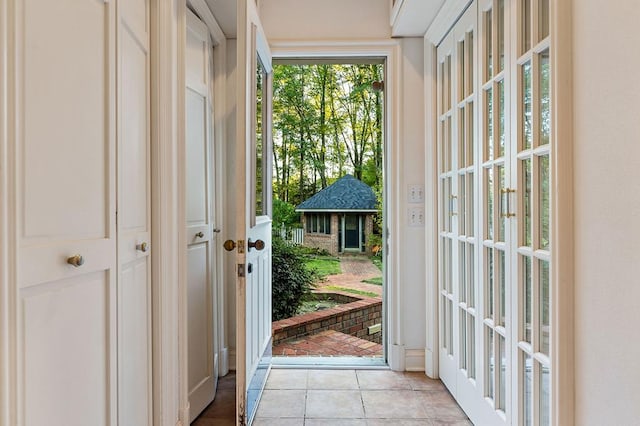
[
  {"x": 142, "y": 247},
  {"x": 200, "y": 234},
  {"x": 75, "y": 260}
]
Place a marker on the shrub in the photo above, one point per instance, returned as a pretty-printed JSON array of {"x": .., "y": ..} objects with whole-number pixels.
[
  {"x": 284, "y": 214},
  {"x": 291, "y": 280}
]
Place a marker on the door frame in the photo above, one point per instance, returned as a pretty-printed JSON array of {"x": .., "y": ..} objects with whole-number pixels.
[
  {"x": 390, "y": 51},
  {"x": 562, "y": 234},
  {"x": 168, "y": 43}
]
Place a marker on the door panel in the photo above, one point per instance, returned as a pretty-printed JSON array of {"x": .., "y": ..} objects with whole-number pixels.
[
  {"x": 134, "y": 217},
  {"x": 253, "y": 282},
  {"x": 66, "y": 345},
  {"x": 65, "y": 168},
  {"x": 202, "y": 329},
  {"x": 65, "y": 145}
]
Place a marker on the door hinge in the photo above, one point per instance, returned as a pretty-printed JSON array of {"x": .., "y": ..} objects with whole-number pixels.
[{"x": 241, "y": 272}]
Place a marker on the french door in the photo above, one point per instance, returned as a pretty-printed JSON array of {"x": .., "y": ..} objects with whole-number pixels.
[
  {"x": 494, "y": 141},
  {"x": 253, "y": 206}
]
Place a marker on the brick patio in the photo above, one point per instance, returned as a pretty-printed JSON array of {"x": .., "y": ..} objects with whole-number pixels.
[{"x": 328, "y": 343}]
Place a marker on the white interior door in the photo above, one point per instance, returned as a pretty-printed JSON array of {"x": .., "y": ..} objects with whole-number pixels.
[
  {"x": 202, "y": 341},
  {"x": 253, "y": 233},
  {"x": 134, "y": 216},
  {"x": 66, "y": 365}
]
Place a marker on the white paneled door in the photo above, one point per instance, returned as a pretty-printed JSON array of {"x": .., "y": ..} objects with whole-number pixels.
[
  {"x": 253, "y": 231},
  {"x": 81, "y": 346},
  {"x": 133, "y": 215},
  {"x": 201, "y": 302},
  {"x": 65, "y": 156}
]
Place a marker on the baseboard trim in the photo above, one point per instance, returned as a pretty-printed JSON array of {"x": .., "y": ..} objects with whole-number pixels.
[
  {"x": 430, "y": 364},
  {"x": 231, "y": 359},
  {"x": 223, "y": 368},
  {"x": 414, "y": 359}
]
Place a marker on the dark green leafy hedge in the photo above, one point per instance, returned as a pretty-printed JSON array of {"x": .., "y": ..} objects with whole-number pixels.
[{"x": 291, "y": 280}]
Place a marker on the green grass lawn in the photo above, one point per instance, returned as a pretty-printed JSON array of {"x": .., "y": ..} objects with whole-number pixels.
[
  {"x": 323, "y": 265},
  {"x": 376, "y": 281},
  {"x": 377, "y": 260},
  {"x": 350, "y": 290}
]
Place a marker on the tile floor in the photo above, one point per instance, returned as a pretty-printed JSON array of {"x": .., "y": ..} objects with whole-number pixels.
[
  {"x": 355, "y": 398},
  {"x": 341, "y": 398}
]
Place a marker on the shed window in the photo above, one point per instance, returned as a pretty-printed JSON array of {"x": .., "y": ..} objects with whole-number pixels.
[{"x": 319, "y": 223}]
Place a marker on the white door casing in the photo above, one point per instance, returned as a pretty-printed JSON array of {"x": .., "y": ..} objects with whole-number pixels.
[
  {"x": 201, "y": 238},
  {"x": 134, "y": 215},
  {"x": 253, "y": 282},
  {"x": 65, "y": 165}
]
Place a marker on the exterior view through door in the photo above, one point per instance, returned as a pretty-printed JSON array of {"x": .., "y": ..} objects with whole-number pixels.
[{"x": 328, "y": 191}]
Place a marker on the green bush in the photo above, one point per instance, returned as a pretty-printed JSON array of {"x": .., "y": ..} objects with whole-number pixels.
[
  {"x": 284, "y": 214},
  {"x": 291, "y": 280}
]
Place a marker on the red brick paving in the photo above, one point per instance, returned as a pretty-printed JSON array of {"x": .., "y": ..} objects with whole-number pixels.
[
  {"x": 328, "y": 343},
  {"x": 355, "y": 269}
]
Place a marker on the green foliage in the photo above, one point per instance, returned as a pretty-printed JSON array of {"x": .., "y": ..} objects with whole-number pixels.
[
  {"x": 323, "y": 266},
  {"x": 284, "y": 214},
  {"x": 352, "y": 291},
  {"x": 327, "y": 122},
  {"x": 377, "y": 261},
  {"x": 291, "y": 279},
  {"x": 375, "y": 281}
]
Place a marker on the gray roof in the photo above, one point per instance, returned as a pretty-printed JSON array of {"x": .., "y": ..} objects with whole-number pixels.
[{"x": 347, "y": 193}]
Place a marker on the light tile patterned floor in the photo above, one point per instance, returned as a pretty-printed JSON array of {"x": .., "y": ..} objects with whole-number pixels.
[{"x": 356, "y": 398}]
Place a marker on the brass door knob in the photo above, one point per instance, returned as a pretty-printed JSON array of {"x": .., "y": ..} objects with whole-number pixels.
[
  {"x": 200, "y": 234},
  {"x": 142, "y": 247},
  {"x": 257, "y": 244},
  {"x": 229, "y": 245},
  {"x": 75, "y": 260}
]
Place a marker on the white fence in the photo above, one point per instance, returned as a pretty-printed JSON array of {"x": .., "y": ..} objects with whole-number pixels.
[{"x": 294, "y": 235}]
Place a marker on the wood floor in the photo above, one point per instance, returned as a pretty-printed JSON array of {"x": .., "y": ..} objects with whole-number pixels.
[{"x": 222, "y": 411}]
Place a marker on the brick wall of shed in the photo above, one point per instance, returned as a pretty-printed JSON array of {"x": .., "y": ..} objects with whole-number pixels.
[{"x": 328, "y": 242}]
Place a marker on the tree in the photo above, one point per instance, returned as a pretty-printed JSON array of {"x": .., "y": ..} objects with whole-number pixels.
[{"x": 328, "y": 121}]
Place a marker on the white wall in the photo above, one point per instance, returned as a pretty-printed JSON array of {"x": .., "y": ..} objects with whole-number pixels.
[
  {"x": 412, "y": 171},
  {"x": 357, "y": 20},
  {"x": 325, "y": 19},
  {"x": 607, "y": 211}
]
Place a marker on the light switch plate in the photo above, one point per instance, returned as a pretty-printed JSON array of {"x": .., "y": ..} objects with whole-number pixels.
[
  {"x": 416, "y": 216},
  {"x": 416, "y": 193}
]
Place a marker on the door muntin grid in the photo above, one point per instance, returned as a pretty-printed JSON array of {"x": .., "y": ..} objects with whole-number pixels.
[{"x": 498, "y": 191}]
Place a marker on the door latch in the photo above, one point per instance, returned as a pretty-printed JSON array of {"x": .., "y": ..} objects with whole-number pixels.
[{"x": 241, "y": 272}]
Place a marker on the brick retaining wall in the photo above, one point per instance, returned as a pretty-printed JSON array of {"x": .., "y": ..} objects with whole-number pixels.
[{"x": 352, "y": 318}]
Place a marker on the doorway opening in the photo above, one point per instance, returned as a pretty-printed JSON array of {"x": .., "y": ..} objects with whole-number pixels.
[{"x": 328, "y": 212}]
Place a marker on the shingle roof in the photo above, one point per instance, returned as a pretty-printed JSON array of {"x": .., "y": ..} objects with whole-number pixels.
[{"x": 347, "y": 193}]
